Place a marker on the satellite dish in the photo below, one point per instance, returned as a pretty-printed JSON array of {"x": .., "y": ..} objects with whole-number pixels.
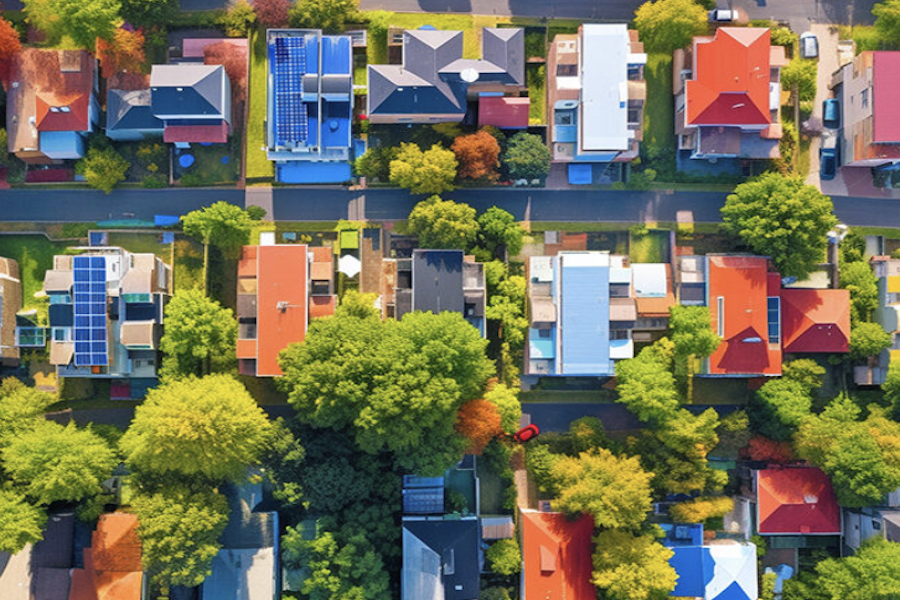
[{"x": 469, "y": 75}]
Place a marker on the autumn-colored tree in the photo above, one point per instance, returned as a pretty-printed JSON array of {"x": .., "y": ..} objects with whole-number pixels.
[
  {"x": 10, "y": 46},
  {"x": 479, "y": 422},
  {"x": 234, "y": 59},
  {"x": 478, "y": 155},
  {"x": 762, "y": 448},
  {"x": 700, "y": 509},
  {"x": 125, "y": 52},
  {"x": 272, "y": 14}
]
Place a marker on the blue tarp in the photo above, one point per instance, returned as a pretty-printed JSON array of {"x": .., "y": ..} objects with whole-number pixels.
[
  {"x": 580, "y": 174},
  {"x": 165, "y": 220},
  {"x": 313, "y": 172}
]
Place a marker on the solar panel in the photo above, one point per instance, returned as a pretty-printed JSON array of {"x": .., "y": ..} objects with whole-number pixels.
[
  {"x": 89, "y": 299},
  {"x": 291, "y": 116}
]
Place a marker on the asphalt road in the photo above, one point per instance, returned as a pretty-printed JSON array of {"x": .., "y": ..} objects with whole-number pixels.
[
  {"x": 310, "y": 204},
  {"x": 801, "y": 13}
]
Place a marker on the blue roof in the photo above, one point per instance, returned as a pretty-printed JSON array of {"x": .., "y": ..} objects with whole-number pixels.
[
  {"x": 580, "y": 174},
  {"x": 683, "y": 534},
  {"x": 585, "y": 315},
  {"x": 313, "y": 172},
  {"x": 70, "y": 143},
  {"x": 694, "y": 566}
]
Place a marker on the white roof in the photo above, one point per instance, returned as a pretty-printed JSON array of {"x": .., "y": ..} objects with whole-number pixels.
[
  {"x": 604, "y": 82},
  {"x": 649, "y": 280},
  {"x": 584, "y": 259},
  {"x": 541, "y": 268},
  {"x": 734, "y": 564}
]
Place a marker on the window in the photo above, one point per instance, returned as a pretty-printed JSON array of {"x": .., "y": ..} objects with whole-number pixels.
[
  {"x": 566, "y": 70},
  {"x": 864, "y": 98},
  {"x": 618, "y": 334},
  {"x": 774, "y": 319},
  {"x": 564, "y": 118},
  {"x": 720, "y": 310}
]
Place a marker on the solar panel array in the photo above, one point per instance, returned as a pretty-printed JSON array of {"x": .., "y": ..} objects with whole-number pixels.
[
  {"x": 89, "y": 296},
  {"x": 290, "y": 110}
]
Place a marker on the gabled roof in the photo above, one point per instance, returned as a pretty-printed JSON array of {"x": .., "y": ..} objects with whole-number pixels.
[
  {"x": 815, "y": 320},
  {"x": 720, "y": 571},
  {"x": 731, "y": 78},
  {"x": 213, "y": 134},
  {"x": 796, "y": 501},
  {"x": 130, "y": 110},
  {"x": 885, "y": 108},
  {"x": 112, "y": 565},
  {"x": 556, "y": 556},
  {"x": 505, "y": 112},
  {"x": 437, "y": 278},
  {"x": 743, "y": 284},
  {"x": 188, "y": 89},
  {"x": 440, "y": 560}
]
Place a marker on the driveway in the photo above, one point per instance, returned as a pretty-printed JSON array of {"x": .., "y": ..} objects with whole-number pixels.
[{"x": 828, "y": 64}]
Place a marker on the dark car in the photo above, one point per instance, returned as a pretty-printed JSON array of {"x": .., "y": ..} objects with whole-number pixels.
[
  {"x": 831, "y": 113},
  {"x": 828, "y": 163}
]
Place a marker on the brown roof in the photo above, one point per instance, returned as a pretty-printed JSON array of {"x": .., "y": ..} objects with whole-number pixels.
[
  {"x": 11, "y": 292},
  {"x": 622, "y": 309},
  {"x": 138, "y": 333}
]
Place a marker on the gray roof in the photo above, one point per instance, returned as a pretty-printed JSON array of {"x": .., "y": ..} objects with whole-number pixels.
[
  {"x": 57, "y": 548},
  {"x": 429, "y": 79},
  {"x": 130, "y": 110},
  {"x": 437, "y": 280},
  {"x": 188, "y": 89},
  {"x": 440, "y": 560}
]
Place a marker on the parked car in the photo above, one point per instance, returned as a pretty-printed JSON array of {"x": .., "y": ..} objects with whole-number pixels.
[
  {"x": 829, "y": 158},
  {"x": 526, "y": 433},
  {"x": 722, "y": 16},
  {"x": 809, "y": 45},
  {"x": 831, "y": 113}
]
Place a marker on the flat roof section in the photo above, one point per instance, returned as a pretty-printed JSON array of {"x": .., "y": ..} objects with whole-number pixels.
[
  {"x": 282, "y": 303},
  {"x": 585, "y": 314},
  {"x": 604, "y": 83}
]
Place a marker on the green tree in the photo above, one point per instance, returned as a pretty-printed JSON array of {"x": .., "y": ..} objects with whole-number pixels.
[
  {"x": 667, "y": 25},
  {"x": 20, "y": 522},
  {"x": 149, "y": 13},
  {"x": 632, "y": 567},
  {"x": 527, "y": 157},
  {"x": 891, "y": 387},
  {"x": 802, "y": 73},
  {"x": 328, "y": 15},
  {"x": 220, "y": 224},
  {"x": 428, "y": 172},
  {"x": 779, "y": 407},
  {"x": 872, "y": 574},
  {"x": 212, "y": 424},
  {"x": 443, "y": 224},
  {"x": 507, "y": 402},
  {"x": 647, "y": 387},
  {"x": 804, "y": 371},
  {"x": 887, "y": 21},
  {"x": 239, "y": 20},
  {"x": 22, "y": 409},
  {"x": 353, "y": 570},
  {"x": 180, "y": 532},
  {"x": 375, "y": 164},
  {"x": 868, "y": 339},
  {"x": 615, "y": 491},
  {"x": 83, "y": 21},
  {"x": 397, "y": 384},
  {"x": 53, "y": 463},
  {"x": 103, "y": 168},
  {"x": 858, "y": 278},
  {"x": 200, "y": 336},
  {"x": 500, "y": 231},
  {"x": 693, "y": 337},
  {"x": 783, "y": 218},
  {"x": 504, "y": 557},
  {"x": 700, "y": 509}
]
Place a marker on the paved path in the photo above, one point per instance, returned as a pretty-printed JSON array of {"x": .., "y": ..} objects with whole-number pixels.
[{"x": 828, "y": 64}]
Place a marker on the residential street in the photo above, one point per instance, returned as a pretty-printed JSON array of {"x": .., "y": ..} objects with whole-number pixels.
[{"x": 318, "y": 204}]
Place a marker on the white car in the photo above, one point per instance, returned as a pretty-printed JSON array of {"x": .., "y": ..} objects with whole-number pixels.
[
  {"x": 809, "y": 45},
  {"x": 722, "y": 16}
]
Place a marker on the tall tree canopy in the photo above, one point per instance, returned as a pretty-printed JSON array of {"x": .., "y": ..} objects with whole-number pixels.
[
  {"x": 666, "y": 25},
  {"x": 200, "y": 335},
  {"x": 428, "y": 172},
  {"x": 868, "y": 339},
  {"x": 212, "y": 425},
  {"x": 872, "y": 574},
  {"x": 21, "y": 523},
  {"x": 527, "y": 157},
  {"x": 443, "y": 224},
  {"x": 478, "y": 155},
  {"x": 860, "y": 280},
  {"x": 397, "y": 384},
  {"x": 22, "y": 409},
  {"x": 632, "y": 567},
  {"x": 83, "y": 21},
  {"x": 328, "y": 15},
  {"x": 53, "y": 463},
  {"x": 802, "y": 73},
  {"x": 887, "y": 20},
  {"x": 10, "y": 46},
  {"x": 499, "y": 229},
  {"x": 221, "y": 224},
  {"x": 479, "y": 422},
  {"x": 239, "y": 20},
  {"x": 692, "y": 331},
  {"x": 149, "y": 13},
  {"x": 783, "y": 218},
  {"x": 272, "y": 14},
  {"x": 102, "y": 168},
  {"x": 179, "y": 532},
  {"x": 614, "y": 490}
]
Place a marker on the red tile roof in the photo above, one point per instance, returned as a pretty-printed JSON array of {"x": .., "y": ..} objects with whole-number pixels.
[
  {"x": 503, "y": 112},
  {"x": 815, "y": 320},
  {"x": 557, "y": 556},
  {"x": 322, "y": 306},
  {"x": 744, "y": 285},
  {"x": 731, "y": 78},
  {"x": 796, "y": 501},
  {"x": 213, "y": 134},
  {"x": 50, "y": 118},
  {"x": 112, "y": 565},
  {"x": 885, "y": 109}
]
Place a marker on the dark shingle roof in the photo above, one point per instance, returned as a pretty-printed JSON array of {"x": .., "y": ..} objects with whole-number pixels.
[
  {"x": 188, "y": 89},
  {"x": 130, "y": 110}
]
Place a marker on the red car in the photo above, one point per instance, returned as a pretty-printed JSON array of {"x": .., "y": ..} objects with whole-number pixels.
[{"x": 527, "y": 433}]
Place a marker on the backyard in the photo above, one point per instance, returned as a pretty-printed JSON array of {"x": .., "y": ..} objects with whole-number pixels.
[
  {"x": 208, "y": 164},
  {"x": 259, "y": 168},
  {"x": 658, "y": 146},
  {"x": 651, "y": 247}
]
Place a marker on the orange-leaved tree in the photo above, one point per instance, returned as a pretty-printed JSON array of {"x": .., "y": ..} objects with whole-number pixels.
[
  {"x": 478, "y": 155},
  {"x": 123, "y": 54},
  {"x": 10, "y": 46},
  {"x": 479, "y": 422}
]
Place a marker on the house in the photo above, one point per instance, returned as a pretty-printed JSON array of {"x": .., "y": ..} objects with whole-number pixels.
[
  {"x": 112, "y": 565},
  {"x": 441, "y": 558},
  {"x": 870, "y": 116},
  {"x": 423, "y": 495},
  {"x": 310, "y": 105},
  {"x": 556, "y": 556},
  {"x": 435, "y": 84},
  {"x": 280, "y": 288},
  {"x": 815, "y": 321},
  {"x": 247, "y": 566},
  {"x": 596, "y": 88},
  {"x": 129, "y": 115},
  {"x": 106, "y": 316},
  {"x": 51, "y": 105},
  {"x": 435, "y": 281},
  {"x": 10, "y": 304},
  {"x": 584, "y": 311},
  {"x": 193, "y": 101},
  {"x": 862, "y": 524},
  {"x": 52, "y": 559},
  {"x": 796, "y": 501},
  {"x": 728, "y": 94}
]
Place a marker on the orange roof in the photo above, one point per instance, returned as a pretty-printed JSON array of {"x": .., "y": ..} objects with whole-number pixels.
[
  {"x": 247, "y": 264},
  {"x": 731, "y": 78},
  {"x": 557, "y": 556},
  {"x": 741, "y": 285},
  {"x": 281, "y": 280},
  {"x": 321, "y": 306},
  {"x": 112, "y": 565},
  {"x": 796, "y": 500},
  {"x": 815, "y": 320}
]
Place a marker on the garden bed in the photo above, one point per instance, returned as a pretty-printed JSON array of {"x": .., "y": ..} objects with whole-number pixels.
[{"x": 148, "y": 162}]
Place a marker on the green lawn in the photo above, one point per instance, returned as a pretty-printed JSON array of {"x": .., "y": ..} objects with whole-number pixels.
[
  {"x": 259, "y": 168},
  {"x": 491, "y": 488},
  {"x": 536, "y": 77},
  {"x": 649, "y": 248},
  {"x": 208, "y": 168},
  {"x": 188, "y": 269},
  {"x": 34, "y": 253},
  {"x": 659, "y": 130},
  {"x": 141, "y": 242}
]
